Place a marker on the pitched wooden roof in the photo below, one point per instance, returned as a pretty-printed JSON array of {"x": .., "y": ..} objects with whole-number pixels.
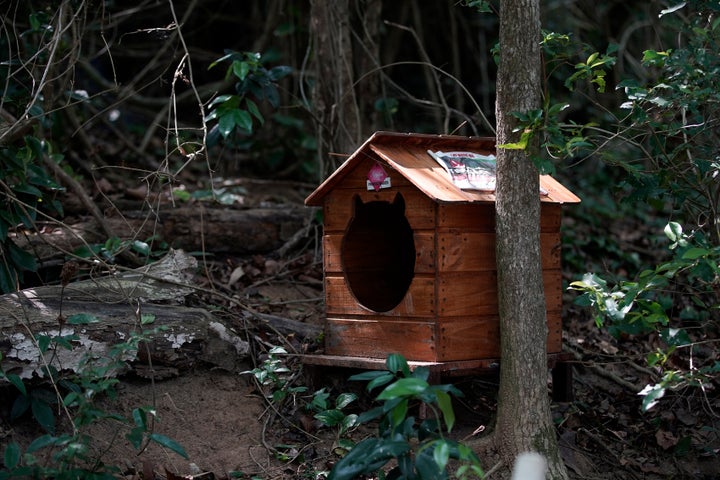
[{"x": 407, "y": 154}]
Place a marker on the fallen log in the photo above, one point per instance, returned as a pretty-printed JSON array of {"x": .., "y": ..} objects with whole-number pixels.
[
  {"x": 190, "y": 228},
  {"x": 94, "y": 316}
]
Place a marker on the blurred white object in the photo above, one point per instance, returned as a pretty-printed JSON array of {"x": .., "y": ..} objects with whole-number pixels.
[{"x": 529, "y": 466}]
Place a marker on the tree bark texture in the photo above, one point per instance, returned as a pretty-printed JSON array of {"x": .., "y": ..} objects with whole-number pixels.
[
  {"x": 335, "y": 106},
  {"x": 524, "y": 418}
]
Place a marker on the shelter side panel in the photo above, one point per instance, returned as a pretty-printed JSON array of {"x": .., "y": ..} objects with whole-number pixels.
[
  {"x": 475, "y": 293},
  {"x": 467, "y": 251},
  {"x": 472, "y": 338},
  {"x": 378, "y": 337},
  {"x": 418, "y": 302},
  {"x": 481, "y": 216}
]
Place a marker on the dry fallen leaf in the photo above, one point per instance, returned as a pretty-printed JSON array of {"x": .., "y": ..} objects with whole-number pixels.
[{"x": 665, "y": 439}]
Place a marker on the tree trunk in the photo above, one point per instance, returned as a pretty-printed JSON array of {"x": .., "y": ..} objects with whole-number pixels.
[
  {"x": 524, "y": 420},
  {"x": 335, "y": 106}
]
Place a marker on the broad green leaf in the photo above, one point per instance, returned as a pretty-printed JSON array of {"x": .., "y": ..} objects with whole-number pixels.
[
  {"x": 243, "y": 120},
  {"x": 673, "y": 231},
  {"x": 226, "y": 124},
  {"x": 21, "y": 258},
  {"x": 396, "y": 363},
  {"x": 348, "y": 422},
  {"x": 220, "y": 99},
  {"x": 652, "y": 394},
  {"x": 399, "y": 413},
  {"x": 147, "y": 318},
  {"x": 675, "y": 337},
  {"x": 403, "y": 387},
  {"x": 168, "y": 443},
  {"x": 695, "y": 253},
  {"x": 44, "y": 342},
  {"x": 380, "y": 380},
  {"x": 369, "y": 375},
  {"x": 41, "y": 442},
  {"x": 330, "y": 418},
  {"x": 344, "y": 399},
  {"x": 445, "y": 403},
  {"x": 253, "y": 108},
  {"x": 441, "y": 454},
  {"x": 140, "y": 247},
  {"x": 140, "y": 418},
  {"x": 17, "y": 381},
  {"x": 43, "y": 414},
  {"x": 12, "y": 455},
  {"x": 240, "y": 69},
  {"x": 136, "y": 436}
]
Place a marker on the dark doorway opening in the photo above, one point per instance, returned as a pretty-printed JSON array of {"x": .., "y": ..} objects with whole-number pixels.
[{"x": 378, "y": 253}]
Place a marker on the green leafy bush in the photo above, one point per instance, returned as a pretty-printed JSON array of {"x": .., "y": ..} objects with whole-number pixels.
[
  {"x": 234, "y": 113},
  {"x": 420, "y": 448},
  {"x": 70, "y": 454},
  {"x": 681, "y": 291},
  {"x": 26, "y": 188}
]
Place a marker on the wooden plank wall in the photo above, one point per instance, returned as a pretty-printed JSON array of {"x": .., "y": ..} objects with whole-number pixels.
[{"x": 450, "y": 310}]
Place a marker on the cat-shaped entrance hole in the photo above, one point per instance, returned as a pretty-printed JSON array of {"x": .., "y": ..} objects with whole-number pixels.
[{"x": 378, "y": 253}]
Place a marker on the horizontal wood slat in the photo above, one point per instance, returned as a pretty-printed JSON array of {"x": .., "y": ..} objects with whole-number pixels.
[
  {"x": 379, "y": 338},
  {"x": 419, "y": 302}
]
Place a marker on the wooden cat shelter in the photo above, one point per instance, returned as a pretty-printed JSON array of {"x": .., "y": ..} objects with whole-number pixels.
[{"x": 409, "y": 258}]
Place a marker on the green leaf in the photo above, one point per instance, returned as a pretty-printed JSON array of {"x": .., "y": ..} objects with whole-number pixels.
[
  {"x": 240, "y": 69},
  {"x": 41, "y": 442},
  {"x": 82, "y": 319},
  {"x": 695, "y": 253},
  {"x": 43, "y": 413},
  {"x": 242, "y": 119},
  {"x": 380, "y": 380},
  {"x": 441, "y": 454},
  {"x": 673, "y": 231},
  {"x": 140, "y": 247},
  {"x": 330, "y": 418},
  {"x": 226, "y": 124},
  {"x": 12, "y": 455},
  {"x": 21, "y": 258},
  {"x": 140, "y": 418},
  {"x": 136, "y": 436},
  {"x": 221, "y": 99},
  {"x": 147, "y": 318},
  {"x": 17, "y": 381},
  {"x": 369, "y": 375},
  {"x": 168, "y": 443},
  {"x": 398, "y": 414},
  {"x": 396, "y": 363},
  {"x": 445, "y": 403},
  {"x": 253, "y": 108},
  {"x": 344, "y": 399},
  {"x": 652, "y": 394},
  {"x": 348, "y": 422},
  {"x": 403, "y": 387},
  {"x": 675, "y": 337},
  {"x": 371, "y": 414}
]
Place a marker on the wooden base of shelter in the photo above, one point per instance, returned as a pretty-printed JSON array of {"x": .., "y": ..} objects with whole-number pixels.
[{"x": 562, "y": 374}]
